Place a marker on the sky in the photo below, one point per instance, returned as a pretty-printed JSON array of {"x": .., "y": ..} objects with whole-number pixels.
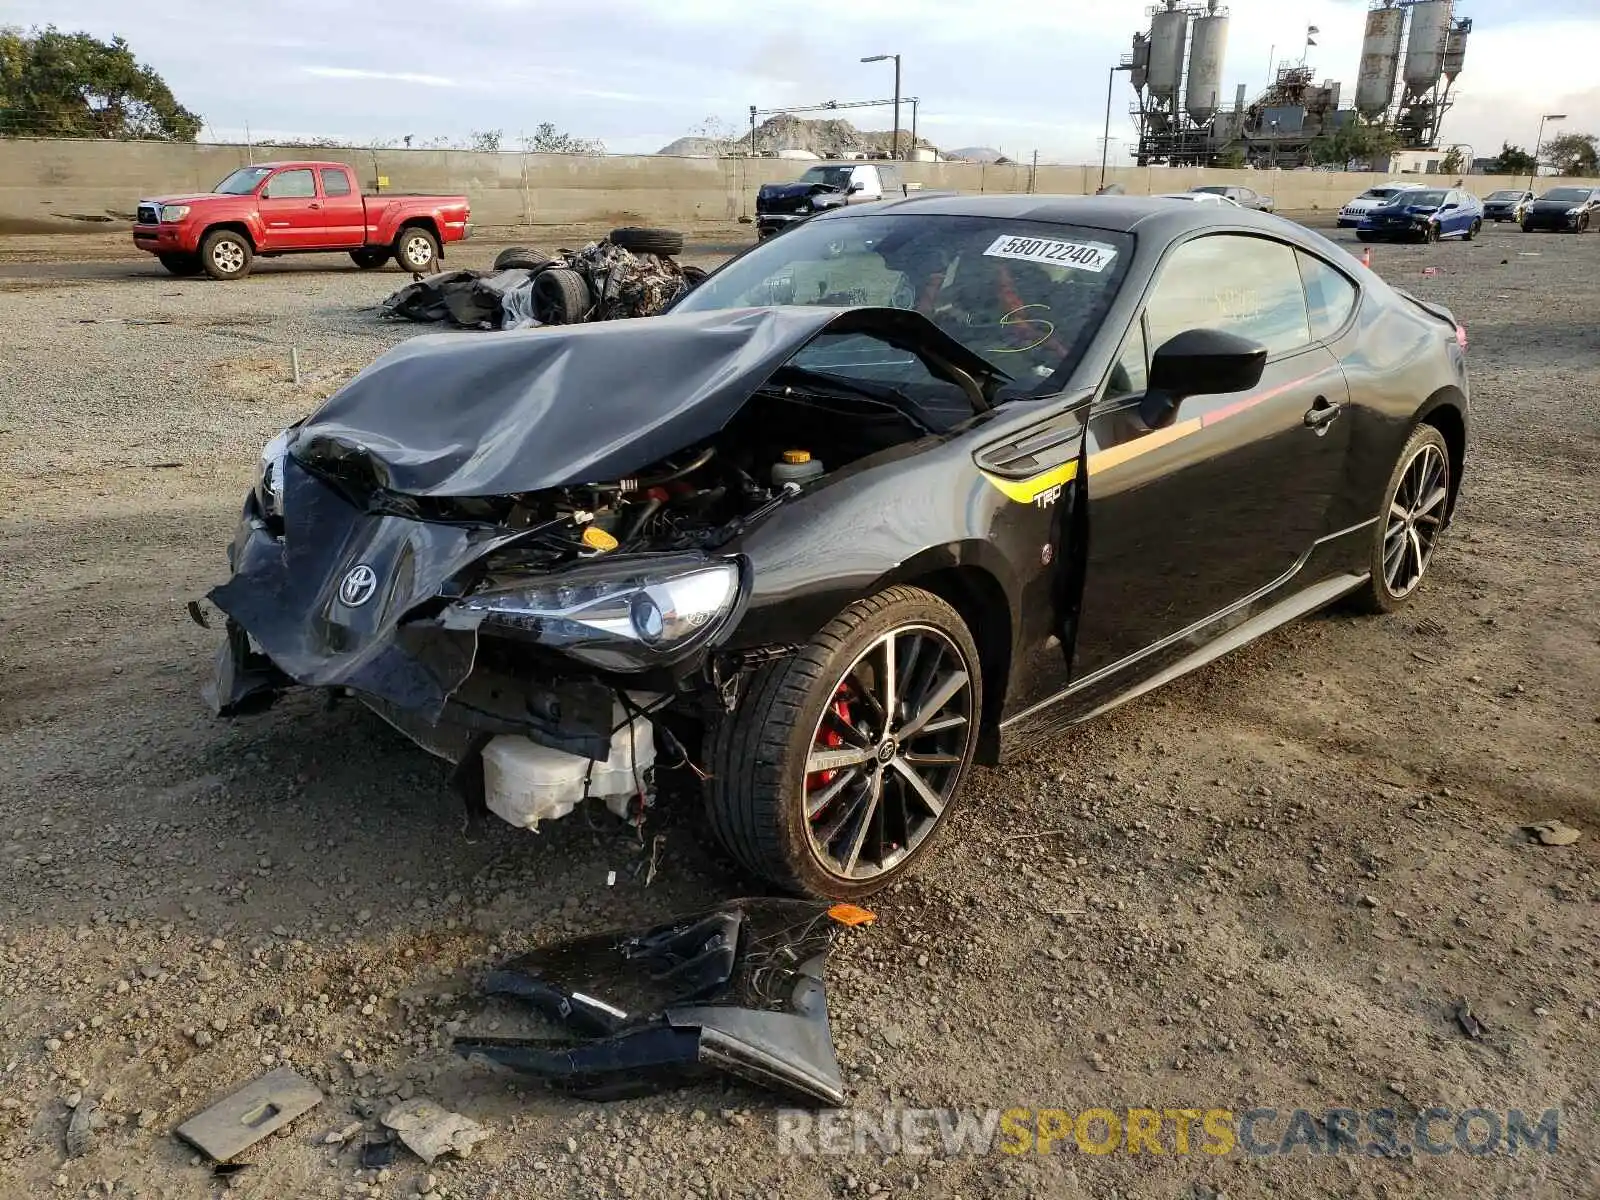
[{"x": 639, "y": 73}]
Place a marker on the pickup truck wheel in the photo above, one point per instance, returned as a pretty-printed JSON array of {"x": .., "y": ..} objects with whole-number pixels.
[
  {"x": 226, "y": 255},
  {"x": 416, "y": 249},
  {"x": 369, "y": 260},
  {"x": 521, "y": 258},
  {"x": 843, "y": 762},
  {"x": 182, "y": 265},
  {"x": 560, "y": 297},
  {"x": 667, "y": 242}
]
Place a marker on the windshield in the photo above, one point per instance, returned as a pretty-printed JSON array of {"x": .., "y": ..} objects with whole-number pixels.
[
  {"x": 1419, "y": 199},
  {"x": 1569, "y": 195},
  {"x": 243, "y": 181},
  {"x": 1381, "y": 193},
  {"x": 1505, "y": 195},
  {"x": 838, "y": 177},
  {"x": 1211, "y": 191},
  {"x": 1027, "y": 296}
]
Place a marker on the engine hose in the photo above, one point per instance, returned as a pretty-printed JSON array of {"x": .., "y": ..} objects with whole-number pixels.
[
  {"x": 651, "y": 508},
  {"x": 642, "y": 484}
]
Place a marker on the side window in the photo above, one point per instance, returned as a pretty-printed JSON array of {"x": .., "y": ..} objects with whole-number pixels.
[
  {"x": 291, "y": 185},
  {"x": 1330, "y": 297},
  {"x": 1248, "y": 286},
  {"x": 1130, "y": 375},
  {"x": 335, "y": 182}
]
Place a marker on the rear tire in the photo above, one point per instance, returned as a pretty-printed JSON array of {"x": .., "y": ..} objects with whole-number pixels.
[
  {"x": 1416, "y": 503},
  {"x": 666, "y": 242},
  {"x": 370, "y": 260},
  {"x": 182, "y": 265},
  {"x": 416, "y": 249},
  {"x": 226, "y": 255},
  {"x": 788, "y": 822},
  {"x": 521, "y": 258},
  {"x": 1473, "y": 230},
  {"x": 560, "y": 297}
]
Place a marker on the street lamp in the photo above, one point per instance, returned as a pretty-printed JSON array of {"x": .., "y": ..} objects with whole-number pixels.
[
  {"x": 894, "y": 138},
  {"x": 1105, "y": 142},
  {"x": 1539, "y": 142}
]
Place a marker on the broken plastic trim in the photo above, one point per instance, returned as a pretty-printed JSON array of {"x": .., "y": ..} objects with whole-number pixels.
[{"x": 736, "y": 990}]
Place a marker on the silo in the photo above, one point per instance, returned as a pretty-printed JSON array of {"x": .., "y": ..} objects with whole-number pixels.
[
  {"x": 1455, "y": 49},
  {"x": 1203, "y": 97},
  {"x": 1430, "y": 29},
  {"x": 1141, "y": 62},
  {"x": 1169, "y": 29},
  {"x": 1380, "y": 60}
]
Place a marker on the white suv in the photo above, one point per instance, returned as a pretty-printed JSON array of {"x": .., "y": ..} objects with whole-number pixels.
[{"x": 1374, "y": 197}]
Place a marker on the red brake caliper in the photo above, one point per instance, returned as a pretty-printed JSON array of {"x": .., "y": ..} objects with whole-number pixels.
[{"x": 831, "y": 739}]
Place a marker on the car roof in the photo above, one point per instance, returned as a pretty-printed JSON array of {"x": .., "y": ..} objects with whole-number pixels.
[{"x": 1147, "y": 214}]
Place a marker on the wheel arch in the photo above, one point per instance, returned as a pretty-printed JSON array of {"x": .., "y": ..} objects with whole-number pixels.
[
  {"x": 981, "y": 600},
  {"x": 422, "y": 222},
  {"x": 1446, "y": 411},
  {"x": 239, "y": 227}
]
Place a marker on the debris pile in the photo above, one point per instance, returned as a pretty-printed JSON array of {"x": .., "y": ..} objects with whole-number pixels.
[{"x": 630, "y": 273}]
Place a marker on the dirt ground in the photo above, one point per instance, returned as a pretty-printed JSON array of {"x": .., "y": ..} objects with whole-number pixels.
[{"x": 1265, "y": 886}]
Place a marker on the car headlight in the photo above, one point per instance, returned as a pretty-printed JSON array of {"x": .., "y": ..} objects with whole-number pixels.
[
  {"x": 1575, "y": 212},
  {"x": 269, "y": 476},
  {"x": 620, "y": 615},
  {"x": 174, "y": 212}
]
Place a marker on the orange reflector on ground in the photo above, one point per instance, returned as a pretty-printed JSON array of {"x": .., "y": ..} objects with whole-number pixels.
[{"x": 849, "y": 914}]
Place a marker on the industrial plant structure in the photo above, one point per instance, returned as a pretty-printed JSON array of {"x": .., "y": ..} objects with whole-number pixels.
[{"x": 1177, "y": 70}]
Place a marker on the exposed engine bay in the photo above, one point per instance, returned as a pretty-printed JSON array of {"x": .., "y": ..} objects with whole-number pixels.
[{"x": 789, "y": 435}]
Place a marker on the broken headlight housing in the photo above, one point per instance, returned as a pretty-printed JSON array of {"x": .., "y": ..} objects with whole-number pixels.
[
  {"x": 620, "y": 615},
  {"x": 269, "y": 476}
]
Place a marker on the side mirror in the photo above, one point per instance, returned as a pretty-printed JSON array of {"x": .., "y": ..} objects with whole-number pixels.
[
  {"x": 1448, "y": 207},
  {"x": 1199, "y": 362}
]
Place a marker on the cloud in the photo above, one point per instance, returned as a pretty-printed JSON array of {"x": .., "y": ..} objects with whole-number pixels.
[
  {"x": 438, "y": 81},
  {"x": 638, "y": 73}
]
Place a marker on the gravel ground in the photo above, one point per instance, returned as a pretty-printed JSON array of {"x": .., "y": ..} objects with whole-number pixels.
[{"x": 1266, "y": 885}]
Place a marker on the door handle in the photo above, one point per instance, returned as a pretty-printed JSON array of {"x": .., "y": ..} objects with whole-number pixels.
[
  {"x": 1322, "y": 413},
  {"x": 313, "y": 204}
]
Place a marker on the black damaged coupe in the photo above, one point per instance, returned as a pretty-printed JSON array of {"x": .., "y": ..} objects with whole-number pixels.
[{"x": 892, "y": 494}]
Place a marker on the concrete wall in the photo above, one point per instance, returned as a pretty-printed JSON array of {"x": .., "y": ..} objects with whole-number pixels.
[{"x": 49, "y": 186}]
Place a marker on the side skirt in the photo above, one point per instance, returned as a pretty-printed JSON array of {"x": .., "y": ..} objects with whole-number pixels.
[{"x": 1014, "y": 734}]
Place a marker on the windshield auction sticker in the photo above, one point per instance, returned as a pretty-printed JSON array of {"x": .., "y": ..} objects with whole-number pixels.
[{"x": 1080, "y": 256}]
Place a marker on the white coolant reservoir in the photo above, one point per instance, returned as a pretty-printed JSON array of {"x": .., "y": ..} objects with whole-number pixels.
[{"x": 525, "y": 783}]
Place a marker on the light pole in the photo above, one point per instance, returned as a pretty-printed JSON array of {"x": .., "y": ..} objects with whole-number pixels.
[
  {"x": 1538, "y": 142},
  {"x": 894, "y": 138},
  {"x": 1105, "y": 142}
]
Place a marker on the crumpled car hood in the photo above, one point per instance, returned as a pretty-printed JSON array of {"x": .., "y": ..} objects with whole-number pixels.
[
  {"x": 792, "y": 191},
  {"x": 445, "y": 415}
]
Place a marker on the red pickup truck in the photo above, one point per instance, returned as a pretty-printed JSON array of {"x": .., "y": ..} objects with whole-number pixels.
[{"x": 268, "y": 209}]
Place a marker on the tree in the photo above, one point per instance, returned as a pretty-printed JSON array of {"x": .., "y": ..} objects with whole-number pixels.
[
  {"x": 1574, "y": 154},
  {"x": 1355, "y": 142},
  {"x": 1512, "y": 160},
  {"x": 1454, "y": 160},
  {"x": 55, "y": 84},
  {"x": 487, "y": 140},
  {"x": 547, "y": 139}
]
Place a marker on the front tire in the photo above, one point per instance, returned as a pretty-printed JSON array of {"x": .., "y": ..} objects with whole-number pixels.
[
  {"x": 416, "y": 249},
  {"x": 226, "y": 255},
  {"x": 844, "y": 762},
  {"x": 1416, "y": 503}
]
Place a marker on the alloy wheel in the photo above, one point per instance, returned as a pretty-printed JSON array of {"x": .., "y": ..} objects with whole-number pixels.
[
  {"x": 887, "y": 753},
  {"x": 1416, "y": 517},
  {"x": 228, "y": 257}
]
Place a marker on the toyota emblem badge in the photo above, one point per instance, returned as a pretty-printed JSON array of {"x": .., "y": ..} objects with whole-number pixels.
[{"x": 357, "y": 587}]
